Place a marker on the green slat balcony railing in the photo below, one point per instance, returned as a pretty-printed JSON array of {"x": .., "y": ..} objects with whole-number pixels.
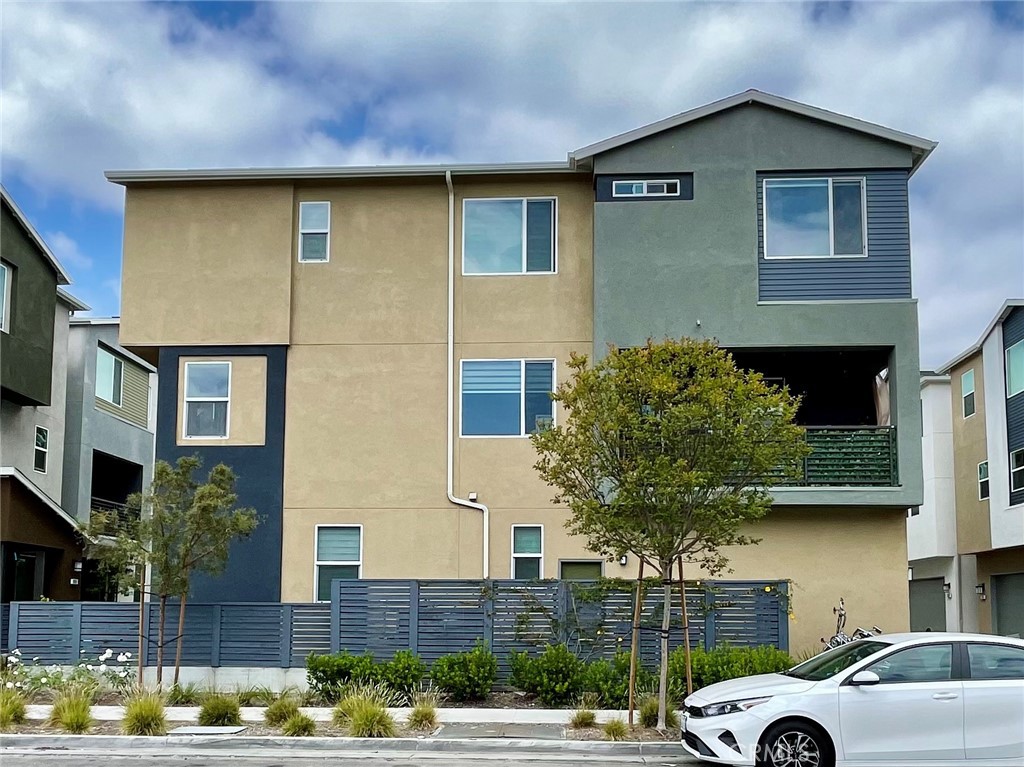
[{"x": 850, "y": 456}]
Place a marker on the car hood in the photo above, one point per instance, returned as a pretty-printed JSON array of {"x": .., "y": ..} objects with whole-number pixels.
[{"x": 748, "y": 687}]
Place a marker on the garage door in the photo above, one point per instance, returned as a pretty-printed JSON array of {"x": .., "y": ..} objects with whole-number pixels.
[
  {"x": 927, "y": 605},
  {"x": 1008, "y": 604}
]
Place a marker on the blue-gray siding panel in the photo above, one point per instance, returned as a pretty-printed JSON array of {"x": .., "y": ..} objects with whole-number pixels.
[
  {"x": 1013, "y": 332},
  {"x": 884, "y": 273}
]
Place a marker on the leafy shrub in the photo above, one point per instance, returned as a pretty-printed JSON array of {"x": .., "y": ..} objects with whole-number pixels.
[
  {"x": 72, "y": 710},
  {"x": 219, "y": 710},
  {"x": 280, "y": 711},
  {"x": 649, "y": 714},
  {"x": 723, "y": 663},
  {"x": 185, "y": 695},
  {"x": 467, "y": 675},
  {"x": 298, "y": 725},
  {"x": 582, "y": 719},
  {"x": 615, "y": 730},
  {"x": 610, "y": 680},
  {"x": 12, "y": 708},
  {"x": 370, "y": 720},
  {"x": 423, "y": 716},
  {"x": 523, "y": 671},
  {"x": 555, "y": 676},
  {"x": 328, "y": 675},
  {"x": 404, "y": 672},
  {"x": 144, "y": 715}
]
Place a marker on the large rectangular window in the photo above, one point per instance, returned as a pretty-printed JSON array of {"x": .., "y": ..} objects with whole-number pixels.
[
  {"x": 41, "y": 454},
  {"x": 339, "y": 556},
  {"x": 207, "y": 399},
  {"x": 315, "y": 231},
  {"x": 506, "y": 398},
  {"x": 814, "y": 217},
  {"x": 527, "y": 552},
  {"x": 983, "y": 481},
  {"x": 109, "y": 376},
  {"x": 509, "y": 236},
  {"x": 1017, "y": 470},
  {"x": 967, "y": 393},
  {"x": 5, "y": 298},
  {"x": 1015, "y": 369}
]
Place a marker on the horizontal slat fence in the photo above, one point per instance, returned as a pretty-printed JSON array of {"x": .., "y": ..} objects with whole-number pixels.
[{"x": 430, "y": 617}]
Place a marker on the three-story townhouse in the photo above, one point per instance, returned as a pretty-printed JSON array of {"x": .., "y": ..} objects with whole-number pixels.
[{"x": 370, "y": 348}]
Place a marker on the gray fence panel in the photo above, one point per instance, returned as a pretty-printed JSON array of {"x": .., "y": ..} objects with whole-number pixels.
[
  {"x": 311, "y": 632},
  {"x": 109, "y": 626},
  {"x": 373, "y": 617},
  {"x": 198, "y": 646},
  {"x": 45, "y": 630},
  {"x": 5, "y": 626},
  {"x": 451, "y": 617},
  {"x": 251, "y": 635}
]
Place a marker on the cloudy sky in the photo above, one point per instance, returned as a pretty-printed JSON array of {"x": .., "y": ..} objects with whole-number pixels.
[{"x": 92, "y": 86}]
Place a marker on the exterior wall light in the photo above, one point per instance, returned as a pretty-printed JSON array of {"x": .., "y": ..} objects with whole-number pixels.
[
  {"x": 947, "y": 590},
  {"x": 623, "y": 560},
  {"x": 980, "y": 591}
]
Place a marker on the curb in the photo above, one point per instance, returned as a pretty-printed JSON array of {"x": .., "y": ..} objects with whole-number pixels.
[{"x": 109, "y": 744}]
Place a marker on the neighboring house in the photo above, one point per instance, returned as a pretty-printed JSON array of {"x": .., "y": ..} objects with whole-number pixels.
[
  {"x": 61, "y": 445},
  {"x": 369, "y": 348},
  {"x": 966, "y": 546}
]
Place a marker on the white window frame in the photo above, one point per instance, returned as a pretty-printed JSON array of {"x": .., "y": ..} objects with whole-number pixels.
[
  {"x": 987, "y": 478},
  {"x": 523, "y": 433},
  {"x": 523, "y": 273},
  {"x": 964, "y": 394},
  {"x": 327, "y": 231},
  {"x": 644, "y": 192},
  {"x": 317, "y": 562},
  {"x": 118, "y": 362},
  {"x": 1019, "y": 472},
  {"x": 831, "y": 217},
  {"x": 186, "y": 399},
  {"x": 5, "y": 313},
  {"x": 512, "y": 547},
  {"x": 1006, "y": 364},
  {"x": 44, "y": 450}
]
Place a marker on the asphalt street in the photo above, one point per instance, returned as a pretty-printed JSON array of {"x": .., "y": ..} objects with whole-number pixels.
[{"x": 71, "y": 759}]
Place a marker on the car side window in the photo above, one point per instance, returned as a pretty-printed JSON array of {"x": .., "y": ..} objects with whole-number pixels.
[
  {"x": 995, "y": 661},
  {"x": 928, "y": 663}
]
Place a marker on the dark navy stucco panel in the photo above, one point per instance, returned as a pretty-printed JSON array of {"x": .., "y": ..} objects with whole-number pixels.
[
  {"x": 1013, "y": 332},
  {"x": 884, "y": 273},
  {"x": 253, "y": 573}
]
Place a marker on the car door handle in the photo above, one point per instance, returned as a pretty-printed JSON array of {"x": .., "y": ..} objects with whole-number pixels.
[{"x": 945, "y": 696}]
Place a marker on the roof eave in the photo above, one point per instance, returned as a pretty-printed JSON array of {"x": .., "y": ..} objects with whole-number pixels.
[
  {"x": 62, "y": 276},
  {"x": 75, "y": 304},
  {"x": 1009, "y": 305}
]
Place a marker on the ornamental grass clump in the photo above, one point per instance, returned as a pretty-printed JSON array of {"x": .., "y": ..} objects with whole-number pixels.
[
  {"x": 190, "y": 694},
  {"x": 615, "y": 730},
  {"x": 649, "y": 714},
  {"x": 280, "y": 711},
  {"x": 220, "y": 711},
  {"x": 12, "y": 708},
  {"x": 368, "y": 719},
  {"x": 72, "y": 710},
  {"x": 582, "y": 718},
  {"x": 144, "y": 715},
  {"x": 299, "y": 725}
]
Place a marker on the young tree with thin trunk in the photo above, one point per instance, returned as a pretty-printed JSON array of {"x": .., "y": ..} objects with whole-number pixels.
[
  {"x": 667, "y": 451},
  {"x": 175, "y": 529}
]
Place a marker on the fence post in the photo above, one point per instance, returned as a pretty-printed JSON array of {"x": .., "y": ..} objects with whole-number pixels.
[
  {"x": 414, "y": 616},
  {"x": 286, "y": 635},
  {"x": 335, "y": 616},
  {"x": 76, "y": 633},
  {"x": 783, "y": 602},
  {"x": 12, "y": 627},
  {"x": 488, "y": 588},
  {"x": 215, "y": 639},
  {"x": 710, "y": 640}
]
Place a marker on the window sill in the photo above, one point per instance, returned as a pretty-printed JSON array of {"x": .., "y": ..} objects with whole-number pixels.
[
  {"x": 813, "y": 258},
  {"x": 509, "y": 274},
  {"x": 495, "y": 436}
]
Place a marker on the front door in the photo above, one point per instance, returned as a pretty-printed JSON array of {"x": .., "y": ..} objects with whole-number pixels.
[
  {"x": 927, "y": 605},
  {"x": 1008, "y": 604},
  {"x": 916, "y": 711}
]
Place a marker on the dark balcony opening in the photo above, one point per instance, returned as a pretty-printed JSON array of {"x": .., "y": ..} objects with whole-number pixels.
[
  {"x": 845, "y": 408},
  {"x": 114, "y": 480}
]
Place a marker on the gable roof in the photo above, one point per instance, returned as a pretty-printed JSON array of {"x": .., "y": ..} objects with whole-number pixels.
[
  {"x": 1008, "y": 306},
  {"x": 62, "y": 276},
  {"x": 920, "y": 147},
  {"x": 52, "y": 505}
]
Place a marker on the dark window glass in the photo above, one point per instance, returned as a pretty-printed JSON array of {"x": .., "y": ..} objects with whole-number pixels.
[
  {"x": 994, "y": 661},
  {"x": 847, "y": 218},
  {"x": 831, "y": 662},
  {"x": 538, "y": 395},
  {"x": 327, "y": 573},
  {"x": 929, "y": 663},
  {"x": 580, "y": 571},
  {"x": 540, "y": 236}
]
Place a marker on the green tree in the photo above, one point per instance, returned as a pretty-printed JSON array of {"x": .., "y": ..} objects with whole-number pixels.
[
  {"x": 176, "y": 528},
  {"x": 667, "y": 452}
]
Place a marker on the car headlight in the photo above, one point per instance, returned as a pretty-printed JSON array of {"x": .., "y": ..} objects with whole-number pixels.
[{"x": 733, "y": 706}]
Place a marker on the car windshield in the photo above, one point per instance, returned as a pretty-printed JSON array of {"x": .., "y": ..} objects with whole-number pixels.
[{"x": 831, "y": 662}]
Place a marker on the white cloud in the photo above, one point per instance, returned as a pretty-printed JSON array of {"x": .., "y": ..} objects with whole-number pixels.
[
  {"x": 67, "y": 251},
  {"x": 88, "y": 87}
]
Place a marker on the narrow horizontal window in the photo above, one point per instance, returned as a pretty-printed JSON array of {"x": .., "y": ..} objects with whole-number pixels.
[
  {"x": 814, "y": 218},
  {"x": 967, "y": 393},
  {"x": 527, "y": 552},
  {"x": 109, "y": 376},
  {"x": 509, "y": 236},
  {"x": 506, "y": 398},
  {"x": 1015, "y": 370},
  {"x": 338, "y": 557},
  {"x": 314, "y": 231},
  {"x": 579, "y": 571},
  {"x": 1017, "y": 470},
  {"x": 983, "y": 481},
  {"x": 657, "y": 188},
  {"x": 207, "y": 399},
  {"x": 41, "y": 454}
]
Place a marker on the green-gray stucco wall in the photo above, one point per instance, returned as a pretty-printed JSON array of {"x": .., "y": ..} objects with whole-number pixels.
[
  {"x": 690, "y": 268},
  {"x": 26, "y": 352}
]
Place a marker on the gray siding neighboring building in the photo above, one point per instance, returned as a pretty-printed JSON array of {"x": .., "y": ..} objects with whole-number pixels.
[{"x": 1013, "y": 332}]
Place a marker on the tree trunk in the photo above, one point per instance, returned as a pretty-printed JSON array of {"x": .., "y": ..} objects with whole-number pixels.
[
  {"x": 181, "y": 637},
  {"x": 635, "y": 640},
  {"x": 666, "y": 623},
  {"x": 686, "y": 630},
  {"x": 160, "y": 641}
]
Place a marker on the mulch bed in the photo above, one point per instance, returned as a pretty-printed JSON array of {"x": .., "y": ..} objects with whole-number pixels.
[{"x": 646, "y": 734}]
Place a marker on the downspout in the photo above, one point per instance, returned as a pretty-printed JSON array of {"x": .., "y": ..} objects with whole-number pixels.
[{"x": 451, "y": 383}]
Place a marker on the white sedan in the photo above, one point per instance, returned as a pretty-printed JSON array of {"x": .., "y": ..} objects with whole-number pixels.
[{"x": 922, "y": 699}]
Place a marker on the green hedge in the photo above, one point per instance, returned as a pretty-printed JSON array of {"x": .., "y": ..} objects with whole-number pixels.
[
  {"x": 724, "y": 663},
  {"x": 328, "y": 675},
  {"x": 466, "y": 675}
]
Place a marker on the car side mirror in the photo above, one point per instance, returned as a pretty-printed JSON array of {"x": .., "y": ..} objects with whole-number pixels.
[{"x": 864, "y": 679}]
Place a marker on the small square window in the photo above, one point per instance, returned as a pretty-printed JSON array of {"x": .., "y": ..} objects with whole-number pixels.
[
  {"x": 41, "y": 453},
  {"x": 339, "y": 552},
  {"x": 314, "y": 232},
  {"x": 207, "y": 399},
  {"x": 508, "y": 236},
  {"x": 506, "y": 398},
  {"x": 527, "y": 552},
  {"x": 983, "y": 481}
]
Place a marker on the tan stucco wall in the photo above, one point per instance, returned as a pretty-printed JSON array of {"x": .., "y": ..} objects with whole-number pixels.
[
  {"x": 998, "y": 562},
  {"x": 247, "y": 413},
  {"x": 973, "y": 528},
  {"x": 174, "y": 292}
]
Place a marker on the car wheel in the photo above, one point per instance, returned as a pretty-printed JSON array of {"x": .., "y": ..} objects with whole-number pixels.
[{"x": 795, "y": 744}]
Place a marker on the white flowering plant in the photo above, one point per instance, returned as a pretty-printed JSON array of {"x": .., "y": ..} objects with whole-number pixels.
[{"x": 103, "y": 673}]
